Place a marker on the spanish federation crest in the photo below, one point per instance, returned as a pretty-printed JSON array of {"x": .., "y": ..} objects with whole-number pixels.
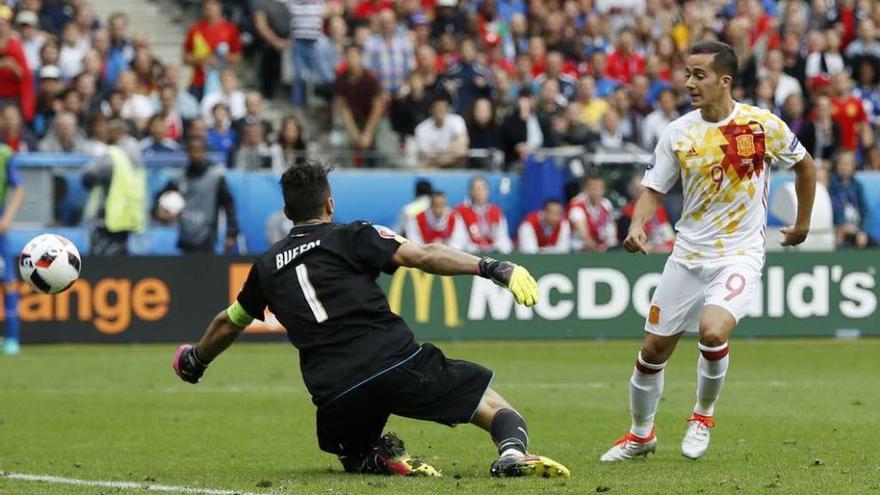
[{"x": 745, "y": 145}]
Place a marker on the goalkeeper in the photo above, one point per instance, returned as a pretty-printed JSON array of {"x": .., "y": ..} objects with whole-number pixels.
[{"x": 359, "y": 360}]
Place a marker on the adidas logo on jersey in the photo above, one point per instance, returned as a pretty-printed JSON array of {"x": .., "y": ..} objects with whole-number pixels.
[{"x": 692, "y": 153}]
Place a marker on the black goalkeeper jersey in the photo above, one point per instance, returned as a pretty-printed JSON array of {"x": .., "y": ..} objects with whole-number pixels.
[{"x": 320, "y": 282}]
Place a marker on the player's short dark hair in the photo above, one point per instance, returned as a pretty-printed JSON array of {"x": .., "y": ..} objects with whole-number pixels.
[
  {"x": 724, "y": 60},
  {"x": 423, "y": 187},
  {"x": 551, "y": 201},
  {"x": 305, "y": 188}
]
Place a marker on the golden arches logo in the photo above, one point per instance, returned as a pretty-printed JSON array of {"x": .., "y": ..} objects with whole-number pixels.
[{"x": 422, "y": 285}]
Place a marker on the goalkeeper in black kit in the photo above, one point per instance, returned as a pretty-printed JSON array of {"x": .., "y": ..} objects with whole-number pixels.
[{"x": 360, "y": 362}]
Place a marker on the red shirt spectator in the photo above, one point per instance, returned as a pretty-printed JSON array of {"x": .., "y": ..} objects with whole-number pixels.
[
  {"x": 16, "y": 83},
  {"x": 439, "y": 223},
  {"x": 485, "y": 222},
  {"x": 210, "y": 42},
  {"x": 848, "y": 112},
  {"x": 365, "y": 9},
  {"x": 545, "y": 231}
]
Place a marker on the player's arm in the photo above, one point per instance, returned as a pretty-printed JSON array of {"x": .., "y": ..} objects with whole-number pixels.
[
  {"x": 444, "y": 260},
  {"x": 805, "y": 189},
  {"x": 644, "y": 211},
  {"x": 190, "y": 361},
  {"x": 12, "y": 207}
]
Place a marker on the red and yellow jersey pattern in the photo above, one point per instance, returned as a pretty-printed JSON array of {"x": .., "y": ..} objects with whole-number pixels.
[{"x": 724, "y": 168}]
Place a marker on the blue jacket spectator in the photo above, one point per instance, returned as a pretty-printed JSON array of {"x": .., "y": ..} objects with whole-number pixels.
[{"x": 848, "y": 203}]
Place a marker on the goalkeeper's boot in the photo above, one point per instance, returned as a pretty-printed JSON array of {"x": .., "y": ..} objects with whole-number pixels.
[
  {"x": 528, "y": 465},
  {"x": 391, "y": 455},
  {"x": 630, "y": 446},
  {"x": 696, "y": 439},
  {"x": 11, "y": 347}
]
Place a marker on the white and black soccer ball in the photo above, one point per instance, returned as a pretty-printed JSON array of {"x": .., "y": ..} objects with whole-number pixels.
[{"x": 49, "y": 263}]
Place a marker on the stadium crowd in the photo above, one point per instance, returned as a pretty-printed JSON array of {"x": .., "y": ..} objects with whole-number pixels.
[{"x": 460, "y": 81}]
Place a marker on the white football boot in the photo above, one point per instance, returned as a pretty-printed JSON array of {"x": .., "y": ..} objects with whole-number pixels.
[
  {"x": 696, "y": 439},
  {"x": 630, "y": 446}
]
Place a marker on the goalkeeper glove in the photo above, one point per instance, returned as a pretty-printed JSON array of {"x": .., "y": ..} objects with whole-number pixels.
[
  {"x": 187, "y": 364},
  {"x": 511, "y": 276}
]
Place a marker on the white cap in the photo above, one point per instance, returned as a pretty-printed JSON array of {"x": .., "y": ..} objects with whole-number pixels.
[{"x": 27, "y": 17}]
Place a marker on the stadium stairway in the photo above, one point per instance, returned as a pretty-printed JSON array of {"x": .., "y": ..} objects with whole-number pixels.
[{"x": 160, "y": 21}]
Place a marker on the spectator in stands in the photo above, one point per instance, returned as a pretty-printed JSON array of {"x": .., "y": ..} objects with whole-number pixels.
[
  {"x": 156, "y": 142},
  {"x": 205, "y": 191},
  {"x": 420, "y": 203},
  {"x": 32, "y": 39},
  {"x": 866, "y": 44},
  {"x": 171, "y": 117},
  {"x": 290, "y": 147},
  {"x": 782, "y": 84},
  {"x": 86, "y": 85},
  {"x": 271, "y": 20},
  {"x": 437, "y": 224},
  {"x": 389, "y": 53},
  {"x": 568, "y": 86},
  {"x": 307, "y": 23},
  {"x": 147, "y": 71},
  {"x": 74, "y": 46},
  {"x": 592, "y": 217},
  {"x": 136, "y": 107},
  {"x": 184, "y": 102},
  {"x": 362, "y": 104},
  {"x": 84, "y": 16},
  {"x": 410, "y": 106},
  {"x": 610, "y": 132},
  {"x": 12, "y": 131},
  {"x": 220, "y": 137},
  {"x": 848, "y": 204},
  {"x": 211, "y": 45},
  {"x": 624, "y": 62},
  {"x": 227, "y": 94},
  {"x": 484, "y": 134},
  {"x": 867, "y": 89},
  {"x": 254, "y": 153},
  {"x": 521, "y": 132},
  {"x": 117, "y": 205},
  {"x": 849, "y": 113},
  {"x": 16, "y": 82},
  {"x": 661, "y": 236},
  {"x": 592, "y": 107},
  {"x": 467, "y": 79},
  {"x": 442, "y": 139},
  {"x": 659, "y": 119},
  {"x": 545, "y": 231},
  {"x": 65, "y": 136},
  {"x": 823, "y": 56},
  {"x": 71, "y": 101},
  {"x": 120, "y": 51},
  {"x": 254, "y": 114},
  {"x": 821, "y": 137},
  {"x": 485, "y": 222}
]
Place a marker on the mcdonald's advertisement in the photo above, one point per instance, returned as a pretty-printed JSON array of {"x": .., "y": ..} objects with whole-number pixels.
[{"x": 170, "y": 299}]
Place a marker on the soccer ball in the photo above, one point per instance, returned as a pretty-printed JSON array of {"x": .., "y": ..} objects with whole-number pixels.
[{"x": 49, "y": 263}]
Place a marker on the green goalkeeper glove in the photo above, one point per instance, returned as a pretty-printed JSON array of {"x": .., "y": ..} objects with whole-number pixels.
[{"x": 511, "y": 276}]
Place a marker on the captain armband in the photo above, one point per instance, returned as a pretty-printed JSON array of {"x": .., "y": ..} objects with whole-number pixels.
[{"x": 238, "y": 316}]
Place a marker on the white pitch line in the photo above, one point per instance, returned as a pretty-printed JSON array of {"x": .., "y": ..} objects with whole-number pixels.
[{"x": 125, "y": 485}]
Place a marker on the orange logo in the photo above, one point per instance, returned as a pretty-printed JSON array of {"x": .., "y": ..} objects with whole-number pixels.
[
  {"x": 654, "y": 315},
  {"x": 745, "y": 145}
]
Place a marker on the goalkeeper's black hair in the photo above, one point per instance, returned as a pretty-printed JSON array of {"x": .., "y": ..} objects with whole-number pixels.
[{"x": 306, "y": 189}]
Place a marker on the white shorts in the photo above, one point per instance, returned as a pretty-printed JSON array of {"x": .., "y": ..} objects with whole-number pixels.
[{"x": 683, "y": 291}]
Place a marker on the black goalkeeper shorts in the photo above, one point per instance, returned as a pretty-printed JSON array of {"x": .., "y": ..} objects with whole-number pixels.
[{"x": 428, "y": 386}]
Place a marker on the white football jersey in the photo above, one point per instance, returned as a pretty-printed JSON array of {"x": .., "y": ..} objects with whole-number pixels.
[{"x": 724, "y": 168}]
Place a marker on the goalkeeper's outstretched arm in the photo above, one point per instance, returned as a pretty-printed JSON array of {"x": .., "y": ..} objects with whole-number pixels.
[
  {"x": 444, "y": 260},
  {"x": 191, "y": 361}
]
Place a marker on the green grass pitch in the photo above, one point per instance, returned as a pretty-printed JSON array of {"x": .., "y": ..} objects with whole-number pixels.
[{"x": 796, "y": 416}]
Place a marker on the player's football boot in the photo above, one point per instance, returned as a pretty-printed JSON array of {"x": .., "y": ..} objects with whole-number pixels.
[
  {"x": 11, "y": 347},
  {"x": 630, "y": 446},
  {"x": 696, "y": 439},
  {"x": 528, "y": 465},
  {"x": 392, "y": 456}
]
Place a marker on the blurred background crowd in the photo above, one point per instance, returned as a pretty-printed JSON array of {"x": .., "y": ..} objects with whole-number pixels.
[{"x": 431, "y": 84}]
